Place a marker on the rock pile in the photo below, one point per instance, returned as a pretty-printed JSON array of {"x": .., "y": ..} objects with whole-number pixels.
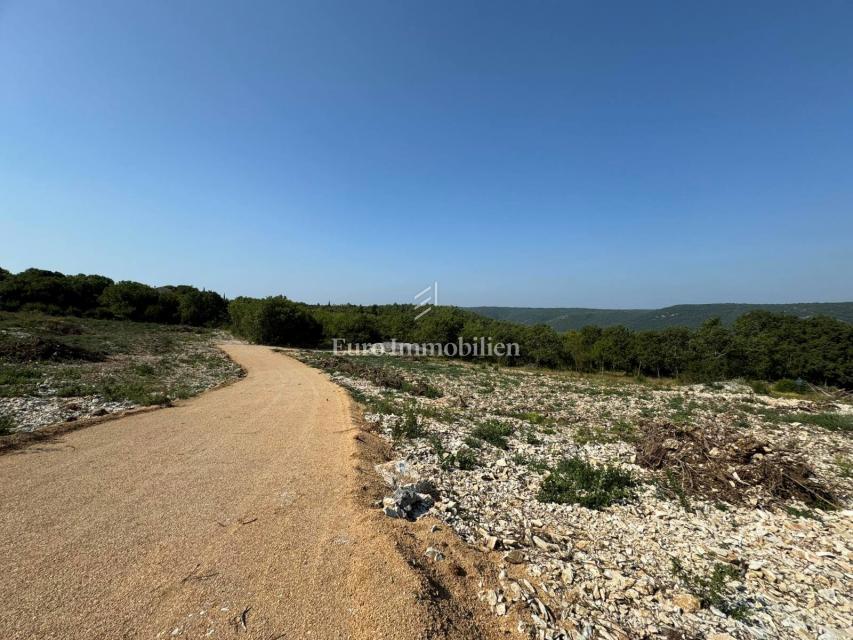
[{"x": 665, "y": 564}]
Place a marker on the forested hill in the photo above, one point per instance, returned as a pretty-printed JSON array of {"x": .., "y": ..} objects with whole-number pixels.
[{"x": 682, "y": 315}]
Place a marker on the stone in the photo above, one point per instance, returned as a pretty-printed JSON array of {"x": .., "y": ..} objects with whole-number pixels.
[
  {"x": 516, "y": 556},
  {"x": 434, "y": 554},
  {"x": 407, "y": 503},
  {"x": 687, "y": 602}
]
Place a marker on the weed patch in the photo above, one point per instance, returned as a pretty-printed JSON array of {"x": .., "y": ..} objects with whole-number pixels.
[
  {"x": 7, "y": 424},
  {"x": 576, "y": 481},
  {"x": 712, "y": 590},
  {"x": 408, "y": 427},
  {"x": 493, "y": 432},
  {"x": 829, "y": 421}
]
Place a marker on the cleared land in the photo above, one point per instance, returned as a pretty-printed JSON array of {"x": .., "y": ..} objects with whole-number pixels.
[
  {"x": 236, "y": 512},
  {"x": 619, "y": 509},
  {"x": 55, "y": 369}
]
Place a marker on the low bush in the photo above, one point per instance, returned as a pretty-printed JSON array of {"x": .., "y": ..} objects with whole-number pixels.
[
  {"x": 711, "y": 590},
  {"x": 407, "y": 427},
  {"x": 7, "y": 424},
  {"x": 466, "y": 459},
  {"x": 830, "y": 421},
  {"x": 493, "y": 432},
  {"x": 576, "y": 481},
  {"x": 789, "y": 386},
  {"x": 759, "y": 386}
]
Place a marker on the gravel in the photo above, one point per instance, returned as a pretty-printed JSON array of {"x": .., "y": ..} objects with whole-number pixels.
[{"x": 572, "y": 572}]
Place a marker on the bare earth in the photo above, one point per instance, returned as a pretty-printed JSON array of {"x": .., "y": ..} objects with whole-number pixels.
[{"x": 232, "y": 514}]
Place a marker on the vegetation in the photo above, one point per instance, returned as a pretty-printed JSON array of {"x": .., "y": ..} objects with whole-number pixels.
[
  {"x": 275, "y": 321},
  {"x": 711, "y": 590},
  {"x": 142, "y": 363},
  {"x": 96, "y": 296},
  {"x": 408, "y": 427},
  {"x": 692, "y": 316},
  {"x": 493, "y": 432},
  {"x": 759, "y": 345},
  {"x": 576, "y": 481},
  {"x": 7, "y": 424},
  {"x": 831, "y": 421}
]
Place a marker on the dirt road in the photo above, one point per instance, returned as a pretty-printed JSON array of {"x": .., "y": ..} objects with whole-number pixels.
[{"x": 231, "y": 515}]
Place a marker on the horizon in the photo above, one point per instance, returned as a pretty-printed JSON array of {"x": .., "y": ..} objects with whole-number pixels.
[
  {"x": 620, "y": 157},
  {"x": 462, "y": 306}
]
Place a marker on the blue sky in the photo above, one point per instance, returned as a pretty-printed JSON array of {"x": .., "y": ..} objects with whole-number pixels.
[{"x": 529, "y": 154}]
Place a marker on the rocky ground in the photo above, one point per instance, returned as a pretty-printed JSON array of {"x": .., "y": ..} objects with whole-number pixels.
[
  {"x": 702, "y": 511},
  {"x": 55, "y": 370}
]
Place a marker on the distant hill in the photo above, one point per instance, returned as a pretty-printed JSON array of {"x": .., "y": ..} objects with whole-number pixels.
[{"x": 682, "y": 315}]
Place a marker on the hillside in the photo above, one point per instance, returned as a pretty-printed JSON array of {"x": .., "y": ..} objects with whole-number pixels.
[{"x": 683, "y": 315}]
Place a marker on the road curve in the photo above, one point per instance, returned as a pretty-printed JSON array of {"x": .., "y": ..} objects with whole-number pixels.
[{"x": 231, "y": 515}]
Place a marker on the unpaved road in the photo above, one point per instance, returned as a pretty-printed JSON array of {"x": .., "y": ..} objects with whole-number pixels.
[{"x": 173, "y": 523}]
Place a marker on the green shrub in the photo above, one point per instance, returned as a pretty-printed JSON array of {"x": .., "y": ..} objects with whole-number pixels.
[
  {"x": 493, "y": 432},
  {"x": 576, "y": 481},
  {"x": 437, "y": 445},
  {"x": 830, "y": 421},
  {"x": 274, "y": 321},
  {"x": 759, "y": 386},
  {"x": 472, "y": 442},
  {"x": 712, "y": 590},
  {"x": 534, "y": 418},
  {"x": 789, "y": 386},
  {"x": 408, "y": 427},
  {"x": 466, "y": 459},
  {"x": 7, "y": 424}
]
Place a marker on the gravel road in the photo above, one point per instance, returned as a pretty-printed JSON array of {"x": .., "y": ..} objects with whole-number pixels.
[{"x": 230, "y": 515}]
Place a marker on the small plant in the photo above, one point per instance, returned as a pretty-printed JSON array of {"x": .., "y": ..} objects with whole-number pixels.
[
  {"x": 618, "y": 431},
  {"x": 682, "y": 412},
  {"x": 472, "y": 442},
  {"x": 531, "y": 463},
  {"x": 437, "y": 445},
  {"x": 845, "y": 466},
  {"x": 712, "y": 590},
  {"x": 671, "y": 485},
  {"x": 493, "y": 432},
  {"x": 7, "y": 424},
  {"x": 144, "y": 369},
  {"x": 789, "y": 386},
  {"x": 534, "y": 418},
  {"x": 576, "y": 481},
  {"x": 829, "y": 421},
  {"x": 793, "y": 511},
  {"x": 530, "y": 437},
  {"x": 465, "y": 459},
  {"x": 408, "y": 427},
  {"x": 759, "y": 386}
]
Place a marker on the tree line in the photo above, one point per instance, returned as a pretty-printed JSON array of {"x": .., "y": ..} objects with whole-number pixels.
[
  {"x": 96, "y": 296},
  {"x": 759, "y": 345}
]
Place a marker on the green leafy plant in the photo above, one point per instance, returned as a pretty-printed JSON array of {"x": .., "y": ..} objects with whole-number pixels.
[
  {"x": 493, "y": 432},
  {"x": 829, "y": 421},
  {"x": 711, "y": 590},
  {"x": 408, "y": 427},
  {"x": 464, "y": 459},
  {"x": 576, "y": 481},
  {"x": 7, "y": 424}
]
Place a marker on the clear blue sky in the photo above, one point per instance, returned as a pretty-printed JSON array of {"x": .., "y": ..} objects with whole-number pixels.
[{"x": 610, "y": 154}]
